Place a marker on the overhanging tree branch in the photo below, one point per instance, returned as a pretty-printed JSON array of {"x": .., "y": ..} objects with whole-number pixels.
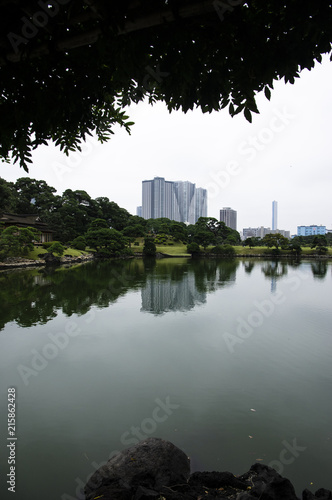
[
  {"x": 154, "y": 19},
  {"x": 69, "y": 68}
]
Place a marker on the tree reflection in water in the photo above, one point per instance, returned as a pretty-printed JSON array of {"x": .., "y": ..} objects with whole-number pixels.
[{"x": 31, "y": 297}]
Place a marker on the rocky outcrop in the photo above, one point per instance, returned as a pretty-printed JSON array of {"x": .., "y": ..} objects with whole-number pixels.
[
  {"x": 156, "y": 469},
  {"x": 69, "y": 259},
  {"x": 50, "y": 259},
  {"x": 145, "y": 469},
  {"x": 44, "y": 259},
  {"x": 12, "y": 262}
]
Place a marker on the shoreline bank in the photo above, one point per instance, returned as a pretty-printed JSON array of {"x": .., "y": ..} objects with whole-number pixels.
[
  {"x": 156, "y": 469},
  {"x": 23, "y": 263}
]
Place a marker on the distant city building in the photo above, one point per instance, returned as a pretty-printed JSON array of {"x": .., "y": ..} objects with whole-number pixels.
[
  {"x": 310, "y": 230},
  {"x": 201, "y": 203},
  {"x": 274, "y": 215},
  {"x": 139, "y": 211},
  {"x": 260, "y": 232},
  {"x": 283, "y": 233},
  {"x": 157, "y": 198},
  {"x": 185, "y": 202},
  {"x": 257, "y": 232},
  {"x": 177, "y": 200},
  {"x": 228, "y": 216}
]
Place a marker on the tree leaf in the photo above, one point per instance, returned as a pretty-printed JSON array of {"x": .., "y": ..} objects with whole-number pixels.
[{"x": 247, "y": 114}]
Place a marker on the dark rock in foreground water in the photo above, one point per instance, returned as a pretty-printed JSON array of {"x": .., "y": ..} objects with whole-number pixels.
[
  {"x": 157, "y": 469},
  {"x": 151, "y": 464}
]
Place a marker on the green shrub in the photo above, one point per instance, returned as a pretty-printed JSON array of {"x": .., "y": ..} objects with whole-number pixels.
[
  {"x": 16, "y": 241},
  {"x": 136, "y": 243},
  {"x": 127, "y": 251},
  {"x": 224, "y": 250},
  {"x": 79, "y": 243},
  {"x": 295, "y": 248},
  {"x": 193, "y": 248},
  {"x": 149, "y": 249},
  {"x": 320, "y": 250},
  {"x": 160, "y": 241},
  {"x": 47, "y": 244},
  {"x": 56, "y": 247}
]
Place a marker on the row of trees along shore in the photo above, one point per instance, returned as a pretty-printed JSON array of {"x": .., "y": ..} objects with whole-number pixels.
[{"x": 80, "y": 221}]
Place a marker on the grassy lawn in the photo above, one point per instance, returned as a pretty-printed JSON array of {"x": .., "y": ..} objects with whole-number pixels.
[
  {"x": 264, "y": 250},
  {"x": 68, "y": 251},
  {"x": 250, "y": 251},
  {"x": 309, "y": 251},
  {"x": 180, "y": 249},
  {"x": 177, "y": 249}
]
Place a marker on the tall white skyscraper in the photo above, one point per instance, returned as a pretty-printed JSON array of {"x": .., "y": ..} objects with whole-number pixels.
[
  {"x": 274, "y": 215},
  {"x": 180, "y": 200},
  {"x": 185, "y": 202}
]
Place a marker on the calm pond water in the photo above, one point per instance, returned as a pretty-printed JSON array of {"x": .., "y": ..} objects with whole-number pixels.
[{"x": 229, "y": 360}]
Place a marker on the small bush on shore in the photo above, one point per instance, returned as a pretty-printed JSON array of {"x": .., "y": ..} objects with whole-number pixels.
[
  {"x": 56, "y": 247},
  {"x": 224, "y": 250}
]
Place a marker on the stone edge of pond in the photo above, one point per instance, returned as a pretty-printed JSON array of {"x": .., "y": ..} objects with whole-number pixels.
[
  {"x": 21, "y": 262},
  {"x": 156, "y": 469}
]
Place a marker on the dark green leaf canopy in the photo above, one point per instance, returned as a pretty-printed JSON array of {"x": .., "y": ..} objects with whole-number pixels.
[{"x": 70, "y": 67}]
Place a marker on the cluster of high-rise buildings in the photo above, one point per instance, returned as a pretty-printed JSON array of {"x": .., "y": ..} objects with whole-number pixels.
[
  {"x": 177, "y": 200},
  {"x": 183, "y": 202}
]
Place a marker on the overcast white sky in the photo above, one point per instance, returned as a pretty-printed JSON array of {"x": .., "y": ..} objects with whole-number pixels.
[{"x": 284, "y": 155}]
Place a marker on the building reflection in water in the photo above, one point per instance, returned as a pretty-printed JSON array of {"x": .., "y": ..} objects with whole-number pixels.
[
  {"x": 161, "y": 295},
  {"x": 274, "y": 270},
  {"x": 170, "y": 287}
]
